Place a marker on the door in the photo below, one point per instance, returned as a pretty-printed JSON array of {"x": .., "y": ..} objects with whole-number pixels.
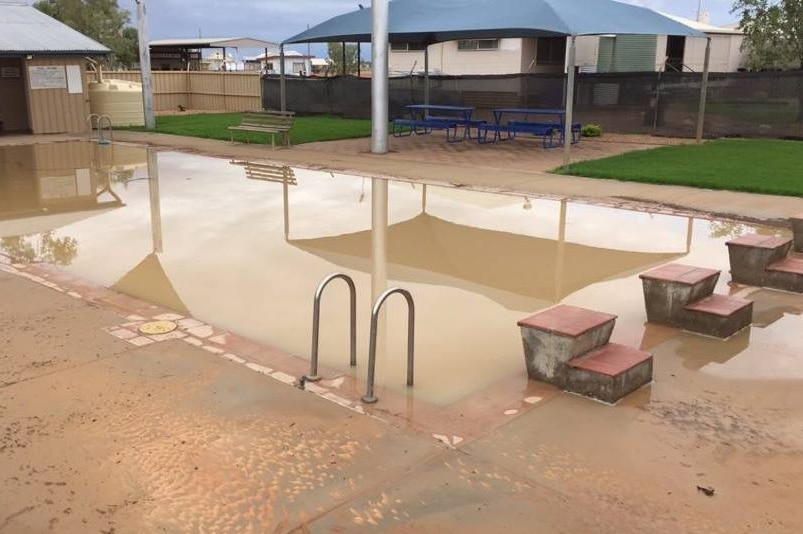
[
  {"x": 13, "y": 100},
  {"x": 675, "y": 52}
]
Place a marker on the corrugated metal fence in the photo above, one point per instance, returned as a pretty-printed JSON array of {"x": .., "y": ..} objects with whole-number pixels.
[{"x": 201, "y": 90}]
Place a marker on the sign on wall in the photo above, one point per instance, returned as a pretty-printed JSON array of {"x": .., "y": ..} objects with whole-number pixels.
[
  {"x": 75, "y": 81},
  {"x": 10, "y": 72},
  {"x": 49, "y": 77}
]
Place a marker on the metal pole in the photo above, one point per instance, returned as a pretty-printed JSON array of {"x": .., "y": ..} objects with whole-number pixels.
[
  {"x": 426, "y": 75},
  {"x": 703, "y": 92},
  {"x": 316, "y": 323},
  {"x": 282, "y": 80},
  {"x": 369, "y": 397},
  {"x": 343, "y": 56},
  {"x": 145, "y": 65},
  {"x": 567, "y": 126},
  {"x": 359, "y": 59},
  {"x": 156, "y": 207},
  {"x": 379, "y": 77}
]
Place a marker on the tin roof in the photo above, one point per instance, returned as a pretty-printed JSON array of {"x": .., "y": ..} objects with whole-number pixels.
[{"x": 26, "y": 30}]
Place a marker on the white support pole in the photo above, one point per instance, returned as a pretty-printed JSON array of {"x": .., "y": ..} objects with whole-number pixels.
[
  {"x": 567, "y": 126},
  {"x": 145, "y": 65},
  {"x": 282, "y": 80},
  {"x": 379, "y": 78},
  {"x": 703, "y": 92},
  {"x": 426, "y": 75}
]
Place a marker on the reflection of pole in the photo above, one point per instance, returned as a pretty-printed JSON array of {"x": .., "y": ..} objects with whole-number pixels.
[
  {"x": 424, "y": 198},
  {"x": 379, "y": 231},
  {"x": 156, "y": 208},
  {"x": 560, "y": 257},
  {"x": 689, "y": 234},
  {"x": 286, "y": 198}
]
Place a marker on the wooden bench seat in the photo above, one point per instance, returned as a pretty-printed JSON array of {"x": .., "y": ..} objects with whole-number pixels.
[{"x": 268, "y": 121}]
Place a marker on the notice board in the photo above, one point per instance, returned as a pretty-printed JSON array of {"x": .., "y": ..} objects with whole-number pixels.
[{"x": 47, "y": 77}]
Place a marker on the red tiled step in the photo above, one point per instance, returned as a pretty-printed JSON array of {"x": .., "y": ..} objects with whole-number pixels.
[
  {"x": 759, "y": 241},
  {"x": 792, "y": 264},
  {"x": 719, "y": 305},
  {"x": 610, "y": 360},
  {"x": 567, "y": 320},
  {"x": 679, "y": 273}
]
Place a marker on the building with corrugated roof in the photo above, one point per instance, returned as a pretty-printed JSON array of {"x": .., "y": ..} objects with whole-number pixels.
[{"x": 43, "y": 66}]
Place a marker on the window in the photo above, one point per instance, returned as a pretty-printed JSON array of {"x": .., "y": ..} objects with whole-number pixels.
[
  {"x": 478, "y": 44},
  {"x": 551, "y": 50},
  {"x": 298, "y": 67},
  {"x": 407, "y": 47},
  {"x": 269, "y": 66}
]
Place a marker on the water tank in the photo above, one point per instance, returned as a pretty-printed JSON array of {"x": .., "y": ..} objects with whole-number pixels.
[{"x": 121, "y": 100}]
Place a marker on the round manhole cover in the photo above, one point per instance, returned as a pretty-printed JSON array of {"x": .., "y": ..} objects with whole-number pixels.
[{"x": 157, "y": 327}]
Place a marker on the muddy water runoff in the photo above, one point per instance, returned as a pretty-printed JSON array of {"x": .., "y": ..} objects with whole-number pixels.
[{"x": 243, "y": 246}]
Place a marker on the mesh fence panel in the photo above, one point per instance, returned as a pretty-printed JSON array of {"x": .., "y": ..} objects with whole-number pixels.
[{"x": 767, "y": 104}]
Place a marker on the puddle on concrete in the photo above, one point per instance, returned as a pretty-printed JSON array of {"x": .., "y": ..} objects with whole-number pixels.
[{"x": 243, "y": 245}]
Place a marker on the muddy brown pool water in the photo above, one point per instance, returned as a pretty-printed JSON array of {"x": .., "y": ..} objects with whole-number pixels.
[{"x": 243, "y": 245}]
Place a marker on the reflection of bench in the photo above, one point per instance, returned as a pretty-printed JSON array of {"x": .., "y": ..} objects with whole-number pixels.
[
  {"x": 270, "y": 122},
  {"x": 267, "y": 173}
]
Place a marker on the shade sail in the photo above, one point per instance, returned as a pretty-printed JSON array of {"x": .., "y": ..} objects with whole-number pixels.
[
  {"x": 511, "y": 269},
  {"x": 428, "y": 21}
]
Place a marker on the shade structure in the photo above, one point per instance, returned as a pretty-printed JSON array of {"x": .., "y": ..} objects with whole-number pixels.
[
  {"x": 517, "y": 271},
  {"x": 428, "y": 21}
]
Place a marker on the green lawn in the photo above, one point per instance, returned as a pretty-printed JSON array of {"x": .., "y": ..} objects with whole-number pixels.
[
  {"x": 756, "y": 166},
  {"x": 305, "y": 130}
]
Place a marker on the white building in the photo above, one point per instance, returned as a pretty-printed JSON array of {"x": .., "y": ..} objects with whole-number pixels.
[
  {"x": 624, "y": 53},
  {"x": 295, "y": 63}
]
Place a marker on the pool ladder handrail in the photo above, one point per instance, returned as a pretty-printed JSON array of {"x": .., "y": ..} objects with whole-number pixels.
[
  {"x": 316, "y": 323},
  {"x": 96, "y": 120},
  {"x": 369, "y": 397}
]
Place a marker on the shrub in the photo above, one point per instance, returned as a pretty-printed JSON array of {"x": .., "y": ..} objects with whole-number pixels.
[{"x": 592, "y": 130}]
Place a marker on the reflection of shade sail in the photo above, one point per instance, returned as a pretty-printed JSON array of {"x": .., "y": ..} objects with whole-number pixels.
[
  {"x": 508, "y": 268},
  {"x": 148, "y": 281}
]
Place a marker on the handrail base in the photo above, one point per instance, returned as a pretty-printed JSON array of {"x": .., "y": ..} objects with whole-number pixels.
[
  {"x": 314, "y": 378},
  {"x": 369, "y": 400}
]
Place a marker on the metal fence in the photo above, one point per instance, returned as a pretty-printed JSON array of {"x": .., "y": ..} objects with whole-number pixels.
[{"x": 767, "y": 104}]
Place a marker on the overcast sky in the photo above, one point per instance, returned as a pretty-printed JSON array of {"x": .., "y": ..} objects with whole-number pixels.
[{"x": 275, "y": 20}]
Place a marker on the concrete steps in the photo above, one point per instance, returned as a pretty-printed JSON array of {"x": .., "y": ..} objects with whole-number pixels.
[
  {"x": 569, "y": 347},
  {"x": 682, "y": 296},
  {"x": 772, "y": 262}
]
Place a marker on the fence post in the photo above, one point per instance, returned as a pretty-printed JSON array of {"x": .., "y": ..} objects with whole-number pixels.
[{"x": 703, "y": 92}]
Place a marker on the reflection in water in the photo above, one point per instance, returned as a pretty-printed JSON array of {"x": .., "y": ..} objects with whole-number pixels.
[
  {"x": 47, "y": 186},
  {"x": 219, "y": 245},
  {"x": 148, "y": 280}
]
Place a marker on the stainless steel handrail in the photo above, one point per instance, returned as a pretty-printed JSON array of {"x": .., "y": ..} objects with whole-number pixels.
[
  {"x": 369, "y": 397},
  {"x": 316, "y": 323}
]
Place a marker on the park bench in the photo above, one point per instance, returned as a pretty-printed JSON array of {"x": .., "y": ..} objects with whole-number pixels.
[{"x": 268, "y": 121}]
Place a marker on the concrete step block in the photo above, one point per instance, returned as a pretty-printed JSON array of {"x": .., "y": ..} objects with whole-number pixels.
[
  {"x": 797, "y": 230},
  {"x": 718, "y": 316},
  {"x": 610, "y": 372},
  {"x": 668, "y": 289},
  {"x": 786, "y": 275},
  {"x": 751, "y": 255},
  {"x": 555, "y": 336}
]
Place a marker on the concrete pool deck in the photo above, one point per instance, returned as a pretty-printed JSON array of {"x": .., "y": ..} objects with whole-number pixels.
[
  {"x": 514, "y": 167},
  {"x": 102, "y": 435}
]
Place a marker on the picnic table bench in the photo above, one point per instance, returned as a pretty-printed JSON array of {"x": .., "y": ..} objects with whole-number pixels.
[
  {"x": 267, "y": 121},
  {"x": 421, "y": 122},
  {"x": 546, "y": 129}
]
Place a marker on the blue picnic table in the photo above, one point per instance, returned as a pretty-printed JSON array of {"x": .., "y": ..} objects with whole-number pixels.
[
  {"x": 546, "y": 129},
  {"x": 427, "y": 117}
]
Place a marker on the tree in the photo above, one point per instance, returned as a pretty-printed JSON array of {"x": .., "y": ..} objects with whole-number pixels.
[
  {"x": 336, "y": 55},
  {"x": 773, "y": 32},
  {"x": 102, "y": 20}
]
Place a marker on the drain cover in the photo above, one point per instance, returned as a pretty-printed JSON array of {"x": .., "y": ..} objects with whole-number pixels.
[{"x": 158, "y": 327}]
